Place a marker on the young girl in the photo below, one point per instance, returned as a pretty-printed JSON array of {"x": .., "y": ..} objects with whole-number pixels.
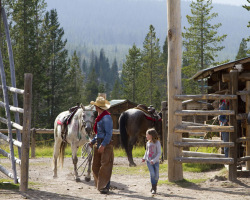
[{"x": 152, "y": 156}]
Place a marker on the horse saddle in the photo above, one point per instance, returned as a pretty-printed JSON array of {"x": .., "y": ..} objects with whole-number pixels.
[
  {"x": 148, "y": 111},
  {"x": 66, "y": 120}
]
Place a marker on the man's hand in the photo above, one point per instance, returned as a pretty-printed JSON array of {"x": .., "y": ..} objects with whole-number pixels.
[
  {"x": 90, "y": 144},
  {"x": 143, "y": 160},
  {"x": 101, "y": 149}
]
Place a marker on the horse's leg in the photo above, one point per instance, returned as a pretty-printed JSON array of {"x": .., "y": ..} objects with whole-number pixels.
[
  {"x": 57, "y": 145},
  {"x": 129, "y": 153},
  {"x": 88, "y": 177},
  {"x": 74, "y": 149}
]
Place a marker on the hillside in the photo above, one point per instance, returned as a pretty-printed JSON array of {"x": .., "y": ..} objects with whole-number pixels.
[{"x": 116, "y": 24}]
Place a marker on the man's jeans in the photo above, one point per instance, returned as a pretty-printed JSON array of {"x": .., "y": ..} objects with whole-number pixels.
[{"x": 154, "y": 172}]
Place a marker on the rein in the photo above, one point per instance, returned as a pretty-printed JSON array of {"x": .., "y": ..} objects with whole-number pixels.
[{"x": 86, "y": 156}]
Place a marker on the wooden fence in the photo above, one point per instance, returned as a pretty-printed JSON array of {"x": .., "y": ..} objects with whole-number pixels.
[
  {"x": 35, "y": 131},
  {"x": 23, "y": 147}
]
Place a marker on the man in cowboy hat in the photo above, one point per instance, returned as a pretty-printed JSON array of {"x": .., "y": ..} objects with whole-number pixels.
[{"x": 103, "y": 149}]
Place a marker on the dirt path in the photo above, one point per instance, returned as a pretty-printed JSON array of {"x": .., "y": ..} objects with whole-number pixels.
[{"x": 43, "y": 186}]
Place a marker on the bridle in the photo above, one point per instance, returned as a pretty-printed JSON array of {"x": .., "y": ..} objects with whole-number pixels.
[{"x": 85, "y": 122}]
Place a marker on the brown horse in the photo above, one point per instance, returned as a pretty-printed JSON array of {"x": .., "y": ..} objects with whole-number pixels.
[{"x": 133, "y": 123}]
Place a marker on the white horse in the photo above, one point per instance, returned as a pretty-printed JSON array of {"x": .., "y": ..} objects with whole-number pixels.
[{"x": 79, "y": 132}]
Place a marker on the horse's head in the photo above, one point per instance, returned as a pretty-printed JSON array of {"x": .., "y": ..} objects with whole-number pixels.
[{"x": 88, "y": 120}]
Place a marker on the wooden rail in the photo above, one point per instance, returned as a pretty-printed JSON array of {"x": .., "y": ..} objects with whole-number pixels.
[
  {"x": 204, "y": 144},
  {"x": 205, "y": 160},
  {"x": 204, "y": 97}
]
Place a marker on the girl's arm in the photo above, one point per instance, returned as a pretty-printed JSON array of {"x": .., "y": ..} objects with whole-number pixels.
[{"x": 158, "y": 150}]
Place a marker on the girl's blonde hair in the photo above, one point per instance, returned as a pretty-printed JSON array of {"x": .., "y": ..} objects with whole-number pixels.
[{"x": 154, "y": 134}]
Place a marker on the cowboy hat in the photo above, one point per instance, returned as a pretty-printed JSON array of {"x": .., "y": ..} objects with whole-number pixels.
[{"x": 101, "y": 103}]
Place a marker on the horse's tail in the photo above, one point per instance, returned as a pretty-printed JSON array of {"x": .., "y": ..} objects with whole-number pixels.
[
  {"x": 62, "y": 152},
  {"x": 123, "y": 132}
]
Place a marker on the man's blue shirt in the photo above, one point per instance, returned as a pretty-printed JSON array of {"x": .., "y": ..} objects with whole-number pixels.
[{"x": 104, "y": 130}]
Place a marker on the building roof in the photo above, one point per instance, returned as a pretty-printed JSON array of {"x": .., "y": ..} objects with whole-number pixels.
[
  {"x": 116, "y": 102},
  {"x": 207, "y": 72}
]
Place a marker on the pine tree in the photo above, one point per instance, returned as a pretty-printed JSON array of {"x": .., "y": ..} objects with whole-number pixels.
[
  {"x": 115, "y": 94},
  {"x": 200, "y": 39},
  {"x": 247, "y": 7},
  {"x": 75, "y": 87},
  {"x": 27, "y": 16},
  {"x": 242, "y": 52},
  {"x": 130, "y": 72},
  {"x": 91, "y": 87},
  {"x": 56, "y": 66},
  {"x": 151, "y": 67},
  {"x": 114, "y": 72}
]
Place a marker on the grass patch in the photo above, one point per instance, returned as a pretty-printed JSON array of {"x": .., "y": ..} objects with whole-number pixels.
[
  {"x": 198, "y": 167},
  {"x": 7, "y": 184}
]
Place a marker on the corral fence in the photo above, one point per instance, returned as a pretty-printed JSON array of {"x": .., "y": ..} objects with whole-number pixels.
[
  {"x": 35, "y": 131},
  {"x": 22, "y": 142}
]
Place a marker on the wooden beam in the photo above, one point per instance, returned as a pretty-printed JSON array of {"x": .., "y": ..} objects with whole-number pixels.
[
  {"x": 15, "y": 125},
  {"x": 204, "y": 97},
  {"x": 248, "y": 125},
  {"x": 242, "y": 77},
  {"x": 6, "y": 138},
  {"x": 201, "y": 154},
  {"x": 6, "y": 154},
  {"x": 12, "y": 108},
  {"x": 241, "y": 116},
  {"x": 204, "y": 144},
  {"x": 205, "y": 160},
  {"x": 174, "y": 36},
  {"x": 186, "y": 129},
  {"x": 234, "y": 80},
  {"x": 12, "y": 89},
  {"x": 243, "y": 139},
  {"x": 27, "y": 101},
  {"x": 198, "y": 140},
  {"x": 204, "y": 112},
  {"x": 246, "y": 158},
  {"x": 8, "y": 173}
]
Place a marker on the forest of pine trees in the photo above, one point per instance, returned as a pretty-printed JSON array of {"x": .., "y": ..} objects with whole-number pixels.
[{"x": 61, "y": 80}]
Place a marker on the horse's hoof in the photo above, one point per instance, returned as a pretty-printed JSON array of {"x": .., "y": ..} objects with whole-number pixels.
[
  {"x": 54, "y": 177},
  {"x": 77, "y": 179},
  {"x": 132, "y": 165},
  {"x": 87, "y": 179}
]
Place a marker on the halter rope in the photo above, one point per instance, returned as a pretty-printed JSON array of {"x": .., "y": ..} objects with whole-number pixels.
[{"x": 85, "y": 155}]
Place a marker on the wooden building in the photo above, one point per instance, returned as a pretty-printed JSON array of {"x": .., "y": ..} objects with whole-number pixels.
[
  {"x": 220, "y": 81},
  {"x": 229, "y": 82}
]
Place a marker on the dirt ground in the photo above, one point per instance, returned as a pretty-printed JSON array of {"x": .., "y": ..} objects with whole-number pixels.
[{"x": 43, "y": 186}]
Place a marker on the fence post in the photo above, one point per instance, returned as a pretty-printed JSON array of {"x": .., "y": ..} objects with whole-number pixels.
[
  {"x": 175, "y": 171},
  {"x": 33, "y": 143},
  {"x": 26, "y": 132},
  {"x": 234, "y": 74},
  {"x": 248, "y": 125}
]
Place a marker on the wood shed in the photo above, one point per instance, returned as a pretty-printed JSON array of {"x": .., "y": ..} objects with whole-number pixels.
[{"x": 223, "y": 79}]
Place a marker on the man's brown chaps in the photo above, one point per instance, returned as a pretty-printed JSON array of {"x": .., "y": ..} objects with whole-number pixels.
[{"x": 102, "y": 166}]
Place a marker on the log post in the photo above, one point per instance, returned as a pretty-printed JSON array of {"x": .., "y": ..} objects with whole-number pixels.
[
  {"x": 26, "y": 132},
  {"x": 164, "y": 128},
  {"x": 248, "y": 125},
  {"x": 33, "y": 143},
  {"x": 175, "y": 172},
  {"x": 234, "y": 74}
]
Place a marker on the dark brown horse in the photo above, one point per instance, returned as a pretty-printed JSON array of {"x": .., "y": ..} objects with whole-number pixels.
[{"x": 133, "y": 123}]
